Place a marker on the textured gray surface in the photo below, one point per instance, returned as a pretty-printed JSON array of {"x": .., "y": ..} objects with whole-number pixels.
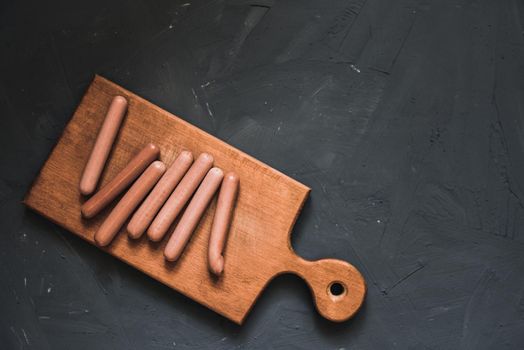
[{"x": 405, "y": 117}]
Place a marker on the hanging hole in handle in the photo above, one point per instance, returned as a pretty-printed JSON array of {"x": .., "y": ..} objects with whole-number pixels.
[{"x": 336, "y": 290}]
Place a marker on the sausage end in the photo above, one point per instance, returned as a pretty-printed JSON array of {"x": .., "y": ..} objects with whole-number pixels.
[
  {"x": 186, "y": 155},
  {"x": 100, "y": 242},
  {"x": 154, "y": 234},
  {"x": 153, "y": 148},
  {"x": 133, "y": 232},
  {"x": 232, "y": 177},
  {"x": 207, "y": 158},
  {"x": 86, "y": 189},
  {"x": 158, "y": 165},
  {"x": 217, "y": 172},
  {"x": 86, "y": 212},
  {"x": 170, "y": 256},
  {"x": 121, "y": 100},
  {"x": 217, "y": 266}
]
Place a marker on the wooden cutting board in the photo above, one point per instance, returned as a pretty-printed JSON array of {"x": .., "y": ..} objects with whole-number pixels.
[{"x": 258, "y": 248}]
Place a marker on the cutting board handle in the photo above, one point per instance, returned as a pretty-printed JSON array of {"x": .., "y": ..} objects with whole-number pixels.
[{"x": 338, "y": 288}]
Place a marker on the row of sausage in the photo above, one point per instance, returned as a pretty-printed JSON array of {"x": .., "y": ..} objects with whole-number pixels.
[{"x": 159, "y": 192}]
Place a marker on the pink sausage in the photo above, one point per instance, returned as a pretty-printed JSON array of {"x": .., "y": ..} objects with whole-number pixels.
[
  {"x": 180, "y": 197},
  {"x": 192, "y": 215},
  {"x": 114, "y": 221},
  {"x": 104, "y": 142},
  {"x": 147, "y": 211},
  {"x": 121, "y": 181},
  {"x": 221, "y": 222}
]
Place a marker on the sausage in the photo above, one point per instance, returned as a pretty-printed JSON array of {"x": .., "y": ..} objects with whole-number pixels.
[
  {"x": 114, "y": 221},
  {"x": 192, "y": 215},
  {"x": 104, "y": 141},
  {"x": 121, "y": 181},
  {"x": 178, "y": 199},
  {"x": 221, "y": 222},
  {"x": 147, "y": 211}
]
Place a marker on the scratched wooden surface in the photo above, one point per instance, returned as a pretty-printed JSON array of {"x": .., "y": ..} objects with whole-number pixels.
[{"x": 403, "y": 117}]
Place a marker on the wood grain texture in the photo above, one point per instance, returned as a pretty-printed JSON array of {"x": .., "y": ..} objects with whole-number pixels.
[{"x": 258, "y": 247}]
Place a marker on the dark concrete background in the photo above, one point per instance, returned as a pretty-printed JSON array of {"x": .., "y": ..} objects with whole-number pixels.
[{"x": 404, "y": 117}]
